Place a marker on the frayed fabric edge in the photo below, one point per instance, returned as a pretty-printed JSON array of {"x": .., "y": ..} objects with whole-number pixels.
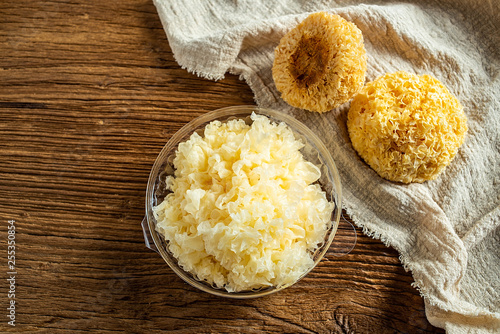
[
  {"x": 202, "y": 70},
  {"x": 430, "y": 301},
  {"x": 186, "y": 65},
  {"x": 417, "y": 284}
]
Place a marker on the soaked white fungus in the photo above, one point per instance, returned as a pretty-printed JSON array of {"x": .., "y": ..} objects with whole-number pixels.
[{"x": 245, "y": 211}]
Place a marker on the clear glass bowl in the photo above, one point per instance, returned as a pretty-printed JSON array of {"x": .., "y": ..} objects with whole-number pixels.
[{"x": 314, "y": 151}]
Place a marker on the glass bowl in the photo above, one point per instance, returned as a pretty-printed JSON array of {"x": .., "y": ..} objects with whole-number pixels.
[{"x": 314, "y": 151}]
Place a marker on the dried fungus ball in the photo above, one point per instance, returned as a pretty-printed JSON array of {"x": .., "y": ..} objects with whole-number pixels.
[
  {"x": 406, "y": 127},
  {"x": 321, "y": 63}
]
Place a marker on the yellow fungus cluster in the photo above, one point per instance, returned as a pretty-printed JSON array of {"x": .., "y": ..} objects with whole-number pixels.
[
  {"x": 406, "y": 127},
  {"x": 321, "y": 63}
]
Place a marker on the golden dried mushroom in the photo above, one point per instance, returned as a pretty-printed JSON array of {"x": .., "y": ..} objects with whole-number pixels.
[
  {"x": 321, "y": 63},
  {"x": 406, "y": 127}
]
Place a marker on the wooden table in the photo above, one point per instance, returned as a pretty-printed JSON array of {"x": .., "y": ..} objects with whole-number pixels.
[{"x": 89, "y": 94}]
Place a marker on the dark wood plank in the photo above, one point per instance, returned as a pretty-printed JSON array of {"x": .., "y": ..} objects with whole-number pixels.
[{"x": 89, "y": 94}]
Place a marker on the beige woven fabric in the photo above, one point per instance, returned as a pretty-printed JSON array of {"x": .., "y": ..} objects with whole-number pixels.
[{"x": 447, "y": 231}]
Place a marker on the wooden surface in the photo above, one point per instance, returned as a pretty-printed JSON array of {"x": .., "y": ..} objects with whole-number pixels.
[{"x": 89, "y": 94}]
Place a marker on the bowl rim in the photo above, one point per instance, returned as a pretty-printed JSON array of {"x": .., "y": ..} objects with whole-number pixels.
[{"x": 227, "y": 113}]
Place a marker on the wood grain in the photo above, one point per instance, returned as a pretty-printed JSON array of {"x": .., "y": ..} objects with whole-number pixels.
[{"x": 89, "y": 94}]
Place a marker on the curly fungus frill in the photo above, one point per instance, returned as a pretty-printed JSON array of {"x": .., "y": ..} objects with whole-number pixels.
[
  {"x": 321, "y": 63},
  {"x": 407, "y": 127}
]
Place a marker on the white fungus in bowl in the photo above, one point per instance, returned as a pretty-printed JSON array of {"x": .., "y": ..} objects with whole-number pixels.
[{"x": 245, "y": 211}]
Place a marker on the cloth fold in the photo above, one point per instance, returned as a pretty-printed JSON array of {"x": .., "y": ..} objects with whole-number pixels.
[{"x": 447, "y": 231}]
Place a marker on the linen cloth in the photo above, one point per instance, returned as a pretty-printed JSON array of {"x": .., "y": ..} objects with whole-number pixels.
[{"x": 447, "y": 231}]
